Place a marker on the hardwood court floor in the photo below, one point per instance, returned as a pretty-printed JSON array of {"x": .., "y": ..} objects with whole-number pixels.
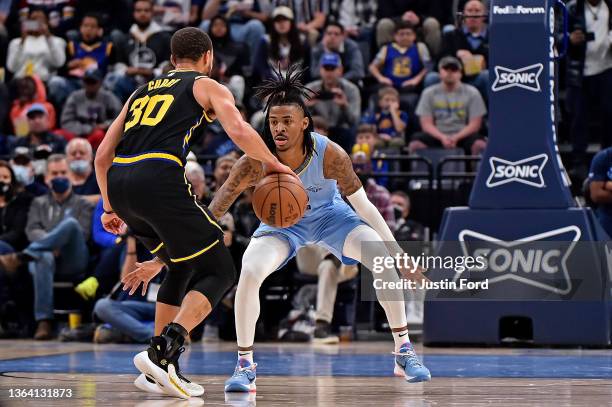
[{"x": 356, "y": 374}]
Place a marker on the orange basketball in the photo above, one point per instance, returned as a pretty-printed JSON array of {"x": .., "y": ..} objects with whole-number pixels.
[{"x": 280, "y": 200}]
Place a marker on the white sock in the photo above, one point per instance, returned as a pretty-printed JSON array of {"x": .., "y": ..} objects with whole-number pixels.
[
  {"x": 400, "y": 338},
  {"x": 246, "y": 355}
]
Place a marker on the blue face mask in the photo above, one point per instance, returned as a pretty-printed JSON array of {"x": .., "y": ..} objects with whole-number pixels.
[
  {"x": 23, "y": 175},
  {"x": 60, "y": 184}
]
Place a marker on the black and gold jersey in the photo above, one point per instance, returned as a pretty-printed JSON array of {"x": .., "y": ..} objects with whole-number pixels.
[{"x": 163, "y": 120}]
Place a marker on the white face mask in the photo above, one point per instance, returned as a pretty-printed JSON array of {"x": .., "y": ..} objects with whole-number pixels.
[{"x": 23, "y": 175}]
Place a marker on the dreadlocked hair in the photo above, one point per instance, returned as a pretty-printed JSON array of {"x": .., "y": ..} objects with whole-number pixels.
[{"x": 286, "y": 89}]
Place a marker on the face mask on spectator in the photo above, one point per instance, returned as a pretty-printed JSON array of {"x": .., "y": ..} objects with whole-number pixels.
[
  {"x": 80, "y": 167},
  {"x": 40, "y": 166},
  {"x": 60, "y": 184},
  {"x": 5, "y": 189},
  {"x": 23, "y": 175}
]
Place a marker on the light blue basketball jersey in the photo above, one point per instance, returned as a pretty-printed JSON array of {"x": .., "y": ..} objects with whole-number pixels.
[{"x": 327, "y": 220}]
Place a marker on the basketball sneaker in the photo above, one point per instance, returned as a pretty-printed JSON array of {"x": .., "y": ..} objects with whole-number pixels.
[
  {"x": 408, "y": 365},
  {"x": 160, "y": 363},
  {"x": 148, "y": 384},
  {"x": 243, "y": 379}
]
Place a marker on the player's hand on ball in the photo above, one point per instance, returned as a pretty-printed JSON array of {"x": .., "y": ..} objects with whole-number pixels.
[
  {"x": 277, "y": 166},
  {"x": 143, "y": 273},
  {"x": 113, "y": 223}
]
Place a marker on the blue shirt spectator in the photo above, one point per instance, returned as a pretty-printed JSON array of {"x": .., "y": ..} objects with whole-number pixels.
[{"x": 601, "y": 187}]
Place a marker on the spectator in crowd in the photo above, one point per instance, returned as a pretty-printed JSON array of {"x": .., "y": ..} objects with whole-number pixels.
[
  {"x": 402, "y": 64},
  {"x": 37, "y": 52},
  {"x": 589, "y": 76},
  {"x": 334, "y": 40},
  {"x": 113, "y": 16},
  {"x": 147, "y": 52},
  {"x": 389, "y": 120},
  {"x": 14, "y": 206},
  {"x": 30, "y": 90},
  {"x": 196, "y": 177},
  {"x": 89, "y": 111},
  {"x": 368, "y": 141},
  {"x": 357, "y": 16},
  {"x": 223, "y": 166},
  {"x": 337, "y": 100},
  {"x": 88, "y": 52},
  {"x": 39, "y": 131},
  {"x": 318, "y": 261},
  {"x": 450, "y": 113},
  {"x": 377, "y": 194},
  {"x": 310, "y": 16},
  {"x": 5, "y": 9},
  {"x": 405, "y": 229},
  {"x": 245, "y": 222},
  {"x": 281, "y": 48},
  {"x": 245, "y": 17},
  {"x": 600, "y": 187},
  {"x": 469, "y": 43},
  {"x": 23, "y": 169},
  {"x": 81, "y": 174},
  {"x": 419, "y": 13},
  {"x": 59, "y": 12},
  {"x": 58, "y": 227},
  {"x": 233, "y": 57},
  {"x": 128, "y": 318}
]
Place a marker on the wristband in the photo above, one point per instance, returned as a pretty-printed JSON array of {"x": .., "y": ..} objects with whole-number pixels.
[{"x": 108, "y": 212}]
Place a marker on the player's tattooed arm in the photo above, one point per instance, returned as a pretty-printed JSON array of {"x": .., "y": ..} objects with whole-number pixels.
[
  {"x": 338, "y": 165},
  {"x": 244, "y": 174}
]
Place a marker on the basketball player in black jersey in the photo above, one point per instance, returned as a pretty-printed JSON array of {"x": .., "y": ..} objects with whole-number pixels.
[{"x": 139, "y": 168}]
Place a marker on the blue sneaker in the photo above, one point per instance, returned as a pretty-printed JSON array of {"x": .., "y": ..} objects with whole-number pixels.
[
  {"x": 243, "y": 379},
  {"x": 408, "y": 365}
]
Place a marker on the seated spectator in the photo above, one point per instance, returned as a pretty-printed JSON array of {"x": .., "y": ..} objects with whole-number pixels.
[
  {"x": 337, "y": 100},
  {"x": 377, "y": 194},
  {"x": 14, "y": 206},
  {"x": 90, "y": 51},
  {"x": 39, "y": 134},
  {"x": 23, "y": 169},
  {"x": 405, "y": 229},
  {"x": 310, "y": 16},
  {"x": 245, "y": 17},
  {"x": 37, "y": 52},
  {"x": 421, "y": 14},
  {"x": 233, "y": 57},
  {"x": 367, "y": 140},
  {"x": 389, "y": 120},
  {"x": 113, "y": 16},
  {"x": 146, "y": 53},
  {"x": 81, "y": 171},
  {"x": 469, "y": 43},
  {"x": 281, "y": 48},
  {"x": 89, "y": 112},
  {"x": 5, "y": 9},
  {"x": 58, "y": 227},
  {"x": 316, "y": 260},
  {"x": 30, "y": 90},
  {"x": 450, "y": 113},
  {"x": 60, "y": 13},
  {"x": 125, "y": 317},
  {"x": 402, "y": 64},
  {"x": 334, "y": 41},
  {"x": 223, "y": 166}
]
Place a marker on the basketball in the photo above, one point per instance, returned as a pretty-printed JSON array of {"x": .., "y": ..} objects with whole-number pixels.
[{"x": 280, "y": 200}]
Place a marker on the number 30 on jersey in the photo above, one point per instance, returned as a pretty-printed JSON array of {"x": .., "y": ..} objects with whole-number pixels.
[{"x": 142, "y": 110}]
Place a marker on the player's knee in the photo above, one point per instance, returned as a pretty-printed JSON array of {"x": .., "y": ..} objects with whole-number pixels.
[{"x": 249, "y": 276}]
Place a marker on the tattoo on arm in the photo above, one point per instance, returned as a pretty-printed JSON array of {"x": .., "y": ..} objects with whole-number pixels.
[
  {"x": 338, "y": 165},
  {"x": 246, "y": 173}
]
